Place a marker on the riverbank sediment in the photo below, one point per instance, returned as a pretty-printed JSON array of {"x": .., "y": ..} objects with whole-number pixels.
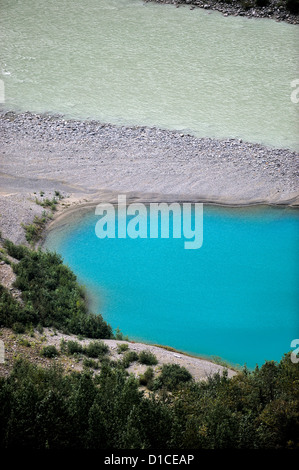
[{"x": 90, "y": 162}]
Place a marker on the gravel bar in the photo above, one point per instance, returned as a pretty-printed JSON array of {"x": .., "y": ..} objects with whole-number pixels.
[{"x": 89, "y": 162}]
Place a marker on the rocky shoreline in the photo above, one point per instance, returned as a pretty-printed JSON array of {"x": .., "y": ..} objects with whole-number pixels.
[
  {"x": 274, "y": 9},
  {"x": 30, "y": 346}
]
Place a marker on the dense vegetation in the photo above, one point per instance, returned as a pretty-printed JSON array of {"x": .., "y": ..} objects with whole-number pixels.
[
  {"x": 50, "y": 295},
  {"x": 44, "y": 408}
]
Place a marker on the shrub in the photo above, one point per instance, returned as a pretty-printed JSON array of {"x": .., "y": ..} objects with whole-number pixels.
[
  {"x": 33, "y": 231},
  {"x": 51, "y": 203},
  {"x": 16, "y": 251},
  {"x": 147, "y": 378},
  {"x": 24, "y": 342},
  {"x": 172, "y": 376},
  {"x": 40, "y": 329},
  {"x": 49, "y": 351},
  {"x": 58, "y": 194},
  {"x": 129, "y": 356},
  {"x": 63, "y": 345},
  {"x": 105, "y": 361},
  {"x": 122, "y": 347},
  {"x": 30, "y": 330},
  {"x": 148, "y": 358},
  {"x": 119, "y": 335},
  {"x": 142, "y": 380},
  {"x": 54, "y": 299},
  {"x": 73, "y": 347},
  {"x": 90, "y": 363},
  {"x": 18, "y": 328},
  {"x": 96, "y": 349},
  {"x": 10, "y": 309}
]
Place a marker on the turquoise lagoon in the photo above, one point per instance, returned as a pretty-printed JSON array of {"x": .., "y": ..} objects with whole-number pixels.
[{"x": 236, "y": 297}]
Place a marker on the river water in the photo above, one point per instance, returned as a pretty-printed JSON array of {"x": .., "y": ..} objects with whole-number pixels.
[{"x": 125, "y": 62}]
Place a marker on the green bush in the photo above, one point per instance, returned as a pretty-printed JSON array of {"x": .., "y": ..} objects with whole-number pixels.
[
  {"x": 119, "y": 335},
  {"x": 129, "y": 357},
  {"x": 73, "y": 347},
  {"x": 24, "y": 342},
  {"x": 172, "y": 376},
  {"x": 105, "y": 361},
  {"x": 16, "y": 251},
  {"x": 18, "y": 328},
  {"x": 12, "y": 312},
  {"x": 51, "y": 296},
  {"x": 49, "y": 351},
  {"x": 58, "y": 194},
  {"x": 147, "y": 378},
  {"x": 90, "y": 363},
  {"x": 51, "y": 203},
  {"x": 122, "y": 347},
  {"x": 96, "y": 349},
  {"x": 34, "y": 231},
  {"x": 147, "y": 358}
]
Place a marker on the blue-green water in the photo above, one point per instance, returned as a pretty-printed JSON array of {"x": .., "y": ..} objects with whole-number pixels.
[{"x": 236, "y": 297}]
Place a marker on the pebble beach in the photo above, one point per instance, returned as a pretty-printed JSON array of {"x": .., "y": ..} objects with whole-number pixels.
[{"x": 89, "y": 162}]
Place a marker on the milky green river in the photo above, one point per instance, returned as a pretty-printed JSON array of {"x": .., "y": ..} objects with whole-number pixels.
[{"x": 122, "y": 61}]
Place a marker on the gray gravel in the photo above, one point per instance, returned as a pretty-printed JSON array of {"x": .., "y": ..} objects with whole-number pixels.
[
  {"x": 199, "y": 368},
  {"x": 90, "y": 160}
]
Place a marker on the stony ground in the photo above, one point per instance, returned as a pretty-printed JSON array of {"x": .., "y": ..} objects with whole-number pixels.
[
  {"x": 30, "y": 345},
  {"x": 92, "y": 162}
]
